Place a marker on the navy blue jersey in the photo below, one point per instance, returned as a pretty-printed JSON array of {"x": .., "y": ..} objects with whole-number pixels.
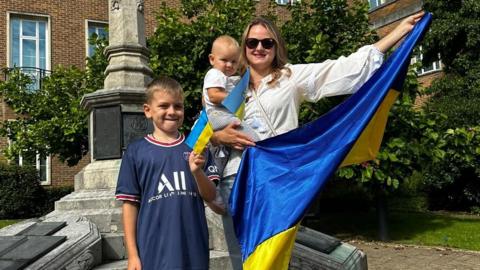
[{"x": 171, "y": 226}]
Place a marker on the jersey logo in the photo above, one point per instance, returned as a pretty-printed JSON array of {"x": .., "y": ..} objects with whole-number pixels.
[
  {"x": 186, "y": 155},
  {"x": 179, "y": 182}
]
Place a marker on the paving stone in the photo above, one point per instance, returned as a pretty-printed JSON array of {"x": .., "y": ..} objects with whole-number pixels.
[{"x": 383, "y": 256}]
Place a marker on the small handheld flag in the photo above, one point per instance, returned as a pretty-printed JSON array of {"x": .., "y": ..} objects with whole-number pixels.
[{"x": 202, "y": 130}]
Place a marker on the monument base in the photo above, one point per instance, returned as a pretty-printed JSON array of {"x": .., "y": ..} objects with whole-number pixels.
[{"x": 80, "y": 247}]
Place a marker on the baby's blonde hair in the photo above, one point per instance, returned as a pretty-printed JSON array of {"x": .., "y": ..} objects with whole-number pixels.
[{"x": 225, "y": 40}]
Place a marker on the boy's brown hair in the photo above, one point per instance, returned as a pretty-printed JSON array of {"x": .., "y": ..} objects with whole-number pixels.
[{"x": 165, "y": 84}]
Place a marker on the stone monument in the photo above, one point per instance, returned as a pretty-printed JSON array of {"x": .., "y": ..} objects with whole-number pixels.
[{"x": 115, "y": 119}]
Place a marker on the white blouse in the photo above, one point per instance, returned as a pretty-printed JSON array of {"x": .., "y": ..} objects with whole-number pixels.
[{"x": 273, "y": 110}]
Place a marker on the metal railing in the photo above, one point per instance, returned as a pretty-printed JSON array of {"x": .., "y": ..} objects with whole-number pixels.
[{"x": 36, "y": 75}]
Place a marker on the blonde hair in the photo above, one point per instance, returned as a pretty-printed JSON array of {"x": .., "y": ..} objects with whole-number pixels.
[
  {"x": 164, "y": 84},
  {"x": 280, "y": 59},
  {"x": 226, "y": 40}
]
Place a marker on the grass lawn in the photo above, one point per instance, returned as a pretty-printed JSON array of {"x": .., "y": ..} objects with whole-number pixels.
[
  {"x": 6, "y": 222},
  {"x": 429, "y": 229}
]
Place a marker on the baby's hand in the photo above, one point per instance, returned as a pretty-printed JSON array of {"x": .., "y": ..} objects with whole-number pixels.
[{"x": 196, "y": 161}]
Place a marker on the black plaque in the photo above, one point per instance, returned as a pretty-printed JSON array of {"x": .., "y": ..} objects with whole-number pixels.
[
  {"x": 135, "y": 125},
  {"x": 29, "y": 251},
  {"x": 12, "y": 265},
  {"x": 107, "y": 133},
  {"x": 9, "y": 242},
  {"x": 43, "y": 228}
]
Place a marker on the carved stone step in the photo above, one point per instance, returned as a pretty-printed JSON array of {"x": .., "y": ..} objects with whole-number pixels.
[
  {"x": 103, "y": 199},
  {"x": 113, "y": 247},
  {"x": 107, "y": 220}
]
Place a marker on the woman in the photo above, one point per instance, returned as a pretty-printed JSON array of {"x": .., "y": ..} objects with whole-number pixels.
[{"x": 277, "y": 88}]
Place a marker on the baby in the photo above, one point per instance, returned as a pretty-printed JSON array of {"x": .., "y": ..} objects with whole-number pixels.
[{"x": 217, "y": 84}]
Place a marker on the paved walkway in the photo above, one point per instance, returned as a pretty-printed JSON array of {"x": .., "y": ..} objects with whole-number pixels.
[{"x": 382, "y": 256}]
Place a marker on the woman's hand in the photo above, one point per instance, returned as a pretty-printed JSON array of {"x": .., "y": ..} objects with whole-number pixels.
[
  {"x": 403, "y": 28},
  {"x": 230, "y": 136}
]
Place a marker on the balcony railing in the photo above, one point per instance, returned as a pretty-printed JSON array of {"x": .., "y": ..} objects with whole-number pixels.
[{"x": 35, "y": 74}]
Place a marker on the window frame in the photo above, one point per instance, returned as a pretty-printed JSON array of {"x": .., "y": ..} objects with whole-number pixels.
[
  {"x": 435, "y": 65},
  {"x": 379, "y": 3},
  {"x": 31, "y": 17},
  {"x": 48, "y": 167},
  {"x": 289, "y": 2},
  {"x": 87, "y": 27}
]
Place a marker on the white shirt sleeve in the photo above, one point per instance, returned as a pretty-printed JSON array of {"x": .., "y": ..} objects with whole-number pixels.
[
  {"x": 215, "y": 78},
  {"x": 336, "y": 77}
]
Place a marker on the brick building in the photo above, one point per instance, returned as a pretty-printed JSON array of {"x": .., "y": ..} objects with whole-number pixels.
[{"x": 39, "y": 35}]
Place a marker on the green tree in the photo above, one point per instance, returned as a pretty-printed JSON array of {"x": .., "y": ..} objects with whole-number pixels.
[
  {"x": 455, "y": 182},
  {"x": 51, "y": 120},
  {"x": 455, "y": 36}
]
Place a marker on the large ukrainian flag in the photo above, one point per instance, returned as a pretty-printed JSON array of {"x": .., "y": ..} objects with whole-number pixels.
[{"x": 281, "y": 176}]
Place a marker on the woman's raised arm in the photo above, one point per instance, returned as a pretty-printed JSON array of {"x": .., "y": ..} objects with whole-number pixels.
[{"x": 398, "y": 33}]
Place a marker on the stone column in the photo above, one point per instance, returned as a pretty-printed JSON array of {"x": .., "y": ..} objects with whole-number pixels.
[{"x": 116, "y": 113}]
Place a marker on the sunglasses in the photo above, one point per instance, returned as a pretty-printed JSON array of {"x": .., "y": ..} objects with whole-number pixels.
[{"x": 267, "y": 43}]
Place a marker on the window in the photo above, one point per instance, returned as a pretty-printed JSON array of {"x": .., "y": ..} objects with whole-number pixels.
[
  {"x": 97, "y": 28},
  {"x": 286, "y": 2},
  {"x": 28, "y": 45},
  {"x": 376, "y": 3},
  {"x": 39, "y": 162},
  {"x": 427, "y": 68}
]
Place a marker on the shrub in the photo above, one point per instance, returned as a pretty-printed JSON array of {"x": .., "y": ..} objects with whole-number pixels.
[
  {"x": 21, "y": 195},
  {"x": 454, "y": 183}
]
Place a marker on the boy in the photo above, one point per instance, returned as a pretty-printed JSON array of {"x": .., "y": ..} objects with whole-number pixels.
[
  {"x": 217, "y": 84},
  {"x": 162, "y": 185}
]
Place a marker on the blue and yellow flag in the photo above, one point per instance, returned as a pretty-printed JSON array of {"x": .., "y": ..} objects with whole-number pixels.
[
  {"x": 235, "y": 102},
  {"x": 280, "y": 177}
]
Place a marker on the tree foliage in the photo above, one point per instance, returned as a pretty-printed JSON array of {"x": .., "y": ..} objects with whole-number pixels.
[
  {"x": 454, "y": 183},
  {"x": 51, "y": 120},
  {"x": 455, "y": 35}
]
